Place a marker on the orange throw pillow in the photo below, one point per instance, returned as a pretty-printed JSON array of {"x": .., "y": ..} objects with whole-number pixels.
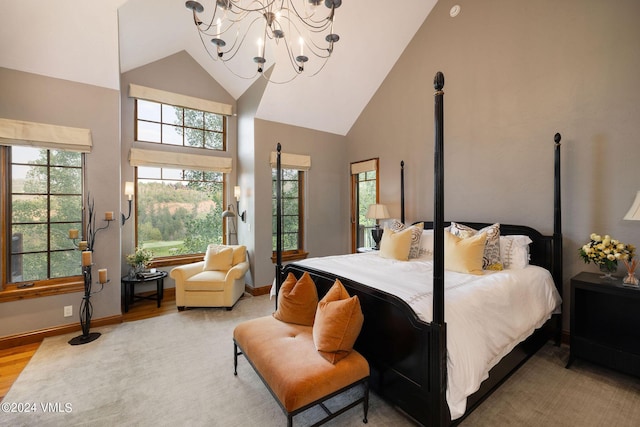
[
  {"x": 338, "y": 323},
  {"x": 297, "y": 300}
]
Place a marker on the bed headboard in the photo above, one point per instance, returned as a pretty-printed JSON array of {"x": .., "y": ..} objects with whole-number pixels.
[{"x": 541, "y": 249}]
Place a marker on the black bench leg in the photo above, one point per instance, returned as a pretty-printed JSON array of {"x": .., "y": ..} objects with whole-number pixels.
[
  {"x": 289, "y": 420},
  {"x": 235, "y": 358},
  {"x": 365, "y": 403}
]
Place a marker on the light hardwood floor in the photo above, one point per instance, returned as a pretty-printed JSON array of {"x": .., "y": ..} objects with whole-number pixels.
[{"x": 13, "y": 360}]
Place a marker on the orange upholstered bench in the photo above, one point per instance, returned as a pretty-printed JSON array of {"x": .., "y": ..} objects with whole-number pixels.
[
  {"x": 304, "y": 351},
  {"x": 285, "y": 358}
]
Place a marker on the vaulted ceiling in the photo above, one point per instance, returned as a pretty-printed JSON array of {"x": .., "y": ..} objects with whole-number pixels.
[{"x": 93, "y": 42}]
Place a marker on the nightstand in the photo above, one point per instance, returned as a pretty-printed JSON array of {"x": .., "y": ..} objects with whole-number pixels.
[{"x": 605, "y": 323}]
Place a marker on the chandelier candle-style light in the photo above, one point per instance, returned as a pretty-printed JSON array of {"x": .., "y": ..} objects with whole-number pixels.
[{"x": 302, "y": 28}]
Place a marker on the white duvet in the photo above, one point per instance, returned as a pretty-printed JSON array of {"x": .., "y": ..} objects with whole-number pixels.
[{"x": 486, "y": 316}]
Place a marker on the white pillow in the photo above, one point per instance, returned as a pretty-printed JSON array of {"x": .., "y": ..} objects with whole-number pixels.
[
  {"x": 425, "y": 251},
  {"x": 514, "y": 251}
]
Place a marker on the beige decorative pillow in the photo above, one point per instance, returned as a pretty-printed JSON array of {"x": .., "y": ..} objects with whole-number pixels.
[
  {"x": 491, "y": 257},
  {"x": 297, "y": 300},
  {"x": 464, "y": 255},
  {"x": 239, "y": 252},
  {"x": 396, "y": 245},
  {"x": 218, "y": 259},
  {"x": 338, "y": 322},
  {"x": 416, "y": 234}
]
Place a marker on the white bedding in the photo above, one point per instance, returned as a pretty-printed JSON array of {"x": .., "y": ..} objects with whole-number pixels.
[{"x": 486, "y": 315}]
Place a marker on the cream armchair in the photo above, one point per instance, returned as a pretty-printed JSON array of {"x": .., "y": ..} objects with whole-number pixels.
[{"x": 218, "y": 281}]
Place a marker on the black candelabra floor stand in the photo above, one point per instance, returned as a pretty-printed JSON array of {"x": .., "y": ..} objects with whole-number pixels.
[{"x": 86, "y": 311}]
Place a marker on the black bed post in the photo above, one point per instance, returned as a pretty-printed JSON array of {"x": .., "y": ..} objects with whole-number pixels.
[
  {"x": 438, "y": 349},
  {"x": 557, "y": 229},
  {"x": 557, "y": 214},
  {"x": 402, "y": 191},
  {"x": 278, "y": 222}
]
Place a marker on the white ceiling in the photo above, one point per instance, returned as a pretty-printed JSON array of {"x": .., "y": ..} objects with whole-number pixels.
[{"x": 78, "y": 41}]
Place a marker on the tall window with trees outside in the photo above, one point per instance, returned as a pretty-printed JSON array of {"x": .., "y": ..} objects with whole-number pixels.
[
  {"x": 179, "y": 211},
  {"x": 364, "y": 192},
  {"x": 292, "y": 212},
  {"x": 43, "y": 193}
]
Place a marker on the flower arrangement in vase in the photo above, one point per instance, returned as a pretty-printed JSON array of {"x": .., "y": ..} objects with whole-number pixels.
[
  {"x": 139, "y": 260},
  {"x": 605, "y": 252}
]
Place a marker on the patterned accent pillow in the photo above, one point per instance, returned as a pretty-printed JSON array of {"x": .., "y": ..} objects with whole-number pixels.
[
  {"x": 491, "y": 259},
  {"x": 416, "y": 234}
]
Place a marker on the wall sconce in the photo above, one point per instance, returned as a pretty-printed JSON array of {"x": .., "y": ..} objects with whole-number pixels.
[
  {"x": 129, "y": 191},
  {"x": 236, "y": 194}
]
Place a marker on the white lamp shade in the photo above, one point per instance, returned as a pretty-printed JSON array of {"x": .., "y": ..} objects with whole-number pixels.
[
  {"x": 634, "y": 212},
  {"x": 236, "y": 192},
  {"x": 378, "y": 211},
  {"x": 129, "y": 189}
]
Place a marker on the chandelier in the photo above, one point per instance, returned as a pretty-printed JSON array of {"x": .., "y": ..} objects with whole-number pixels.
[{"x": 301, "y": 28}]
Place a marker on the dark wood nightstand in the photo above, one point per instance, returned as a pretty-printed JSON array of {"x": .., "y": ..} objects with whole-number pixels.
[{"x": 605, "y": 323}]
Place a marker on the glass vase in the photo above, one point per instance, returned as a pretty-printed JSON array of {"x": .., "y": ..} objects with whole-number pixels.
[
  {"x": 630, "y": 279},
  {"x": 608, "y": 271}
]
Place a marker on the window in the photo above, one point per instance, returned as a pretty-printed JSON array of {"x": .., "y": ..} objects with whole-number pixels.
[
  {"x": 43, "y": 193},
  {"x": 172, "y": 125},
  {"x": 292, "y": 213},
  {"x": 180, "y": 196},
  {"x": 179, "y": 212},
  {"x": 364, "y": 192}
]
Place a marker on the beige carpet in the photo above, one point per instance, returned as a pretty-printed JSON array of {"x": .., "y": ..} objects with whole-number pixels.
[{"x": 178, "y": 370}]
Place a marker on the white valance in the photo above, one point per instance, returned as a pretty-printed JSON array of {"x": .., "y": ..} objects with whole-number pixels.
[
  {"x": 164, "y": 97},
  {"x": 173, "y": 160},
  {"x": 18, "y": 132},
  {"x": 291, "y": 161},
  {"x": 365, "y": 166}
]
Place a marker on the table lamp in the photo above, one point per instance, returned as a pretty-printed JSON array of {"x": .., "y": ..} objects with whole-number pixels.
[{"x": 377, "y": 212}]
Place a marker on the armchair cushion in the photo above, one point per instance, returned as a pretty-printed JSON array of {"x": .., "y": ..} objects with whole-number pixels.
[
  {"x": 218, "y": 258},
  {"x": 206, "y": 281}
]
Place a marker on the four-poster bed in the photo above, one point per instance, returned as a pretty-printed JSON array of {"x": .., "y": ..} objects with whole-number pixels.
[{"x": 407, "y": 351}]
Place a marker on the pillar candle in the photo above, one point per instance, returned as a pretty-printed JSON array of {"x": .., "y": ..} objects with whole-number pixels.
[
  {"x": 73, "y": 233},
  {"x": 86, "y": 258},
  {"x": 83, "y": 245},
  {"x": 108, "y": 216},
  {"x": 102, "y": 275}
]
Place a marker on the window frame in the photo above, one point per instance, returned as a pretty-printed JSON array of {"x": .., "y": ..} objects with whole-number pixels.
[
  {"x": 12, "y": 291},
  {"x": 299, "y": 253},
  {"x": 185, "y": 128},
  {"x": 374, "y": 166},
  {"x": 181, "y": 259}
]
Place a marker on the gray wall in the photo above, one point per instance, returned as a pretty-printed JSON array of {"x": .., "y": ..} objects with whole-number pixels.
[
  {"x": 326, "y": 197},
  {"x": 42, "y": 99},
  {"x": 515, "y": 74}
]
